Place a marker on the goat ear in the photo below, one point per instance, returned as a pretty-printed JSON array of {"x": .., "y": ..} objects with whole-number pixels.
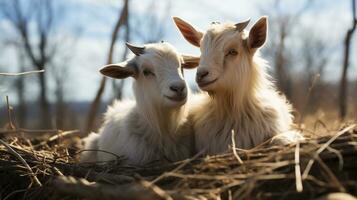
[
  {"x": 119, "y": 71},
  {"x": 191, "y": 34},
  {"x": 258, "y": 33},
  {"x": 190, "y": 62}
]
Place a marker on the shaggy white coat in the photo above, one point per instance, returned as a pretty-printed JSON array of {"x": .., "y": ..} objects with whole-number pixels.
[
  {"x": 152, "y": 127},
  {"x": 239, "y": 95}
]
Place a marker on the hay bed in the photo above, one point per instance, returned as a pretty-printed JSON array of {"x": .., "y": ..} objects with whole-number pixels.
[{"x": 303, "y": 171}]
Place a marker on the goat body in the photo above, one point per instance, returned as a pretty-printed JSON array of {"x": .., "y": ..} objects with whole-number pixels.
[
  {"x": 155, "y": 125},
  {"x": 238, "y": 93}
]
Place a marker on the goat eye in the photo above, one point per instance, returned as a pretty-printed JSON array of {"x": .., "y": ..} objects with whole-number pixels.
[
  {"x": 147, "y": 72},
  {"x": 232, "y": 52}
]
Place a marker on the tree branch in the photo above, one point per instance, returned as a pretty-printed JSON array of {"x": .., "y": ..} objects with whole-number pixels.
[{"x": 22, "y": 73}]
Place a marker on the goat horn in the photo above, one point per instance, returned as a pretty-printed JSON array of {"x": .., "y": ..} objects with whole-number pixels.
[
  {"x": 137, "y": 50},
  {"x": 241, "y": 26}
]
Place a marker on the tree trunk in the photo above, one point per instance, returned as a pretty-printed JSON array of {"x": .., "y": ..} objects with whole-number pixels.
[
  {"x": 44, "y": 105},
  {"x": 22, "y": 111},
  {"x": 343, "y": 82},
  {"x": 95, "y": 105},
  {"x": 119, "y": 85},
  {"x": 20, "y": 88},
  {"x": 284, "y": 83},
  {"x": 96, "y": 102},
  {"x": 60, "y": 108}
]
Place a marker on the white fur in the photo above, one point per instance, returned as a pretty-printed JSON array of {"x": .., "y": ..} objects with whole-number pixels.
[
  {"x": 153, "y": 127},
  {"x": 243, "y": 97}
]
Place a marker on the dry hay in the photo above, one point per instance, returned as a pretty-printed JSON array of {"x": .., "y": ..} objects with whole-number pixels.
[{"x": 302, "y": 171}]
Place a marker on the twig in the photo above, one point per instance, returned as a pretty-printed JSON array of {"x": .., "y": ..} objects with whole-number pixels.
[
  {"x": 235, "y": 150},
  {"x": 156, "y": 189},
  {"x": 331, "y": 175},
  {"x": 299, "y": 187},
  {"x": 9, "y": 109},
  {"x": 32, "y": 149},
  {"x": 322, "y": 148},
  {"x": 60, "y": 135},
  {"x": 183, "y": 164},
  {"x": 322, "y": 124},
  {"x": 22, "y": 130},
  {"x": 230, "y": 176},
  {"x": 55, "y": 169},
  {"x": 99, "y": 150},
  {"x": 313, "y": 83},
  {"x": 22, "y": 73},
  {"x": 90, "y": 190},
  {"x": 13, "y": 193},
  {"x": 12, "y": 151},
  {"x": 339, "y": 156}
]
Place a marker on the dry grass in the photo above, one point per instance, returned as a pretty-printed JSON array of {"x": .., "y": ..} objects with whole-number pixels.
[{"x": 48, "y": 169}]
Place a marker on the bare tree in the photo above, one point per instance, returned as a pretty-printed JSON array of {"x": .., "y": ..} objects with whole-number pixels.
[
  {"x": 346, "y": 58},
  {"x": 118, "y": 85},
  {"x": 150, "y": 26},
  {"x": 33, "y": 21},
  {"x": 122, "y": 19},
  {"x": 281, "y": 27},
  {"x": 60, "y": 76},
  {"x": 281, "y": 58},
  {"x": 20, "y": 89},
  {"x": 314, "y": 55},
  {"x": 146, "y": 28},
  {"x": 18, "y": 82}
]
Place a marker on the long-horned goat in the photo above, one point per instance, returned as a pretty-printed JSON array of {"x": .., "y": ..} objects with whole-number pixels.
[
  {"x": 155, "y": 125},
  {"x": 241, "y": 96}
]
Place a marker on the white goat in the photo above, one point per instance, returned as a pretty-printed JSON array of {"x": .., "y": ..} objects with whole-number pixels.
[
  {"x": 155, "y": 127},
  {"x": 241, "y": 96}
]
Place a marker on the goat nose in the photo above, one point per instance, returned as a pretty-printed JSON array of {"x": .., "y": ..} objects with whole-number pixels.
[
  {"x": 201, "y": 74},
  {"x": 178, "y": 87}
]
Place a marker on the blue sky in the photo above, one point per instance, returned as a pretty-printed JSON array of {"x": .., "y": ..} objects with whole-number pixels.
[{"x": 328, "y": 18}]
